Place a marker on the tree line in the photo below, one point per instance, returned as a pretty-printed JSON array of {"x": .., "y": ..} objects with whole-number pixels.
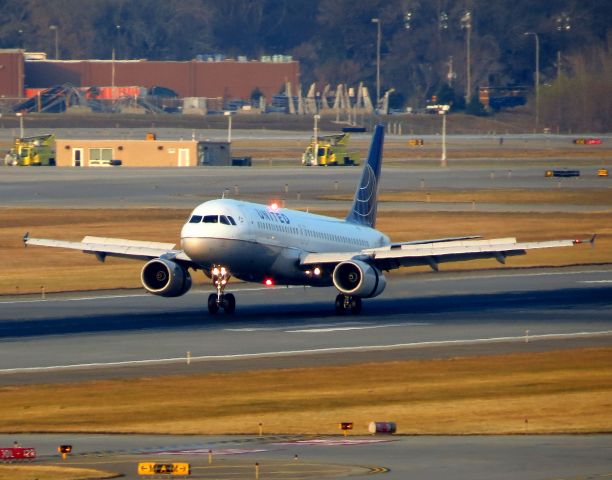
[{"x": 423, "y": 43}]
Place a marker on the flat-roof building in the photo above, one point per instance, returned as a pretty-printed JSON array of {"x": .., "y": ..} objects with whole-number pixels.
[
  {"x": 141, "y": 153},
  {"x": 227, "y": 79}
]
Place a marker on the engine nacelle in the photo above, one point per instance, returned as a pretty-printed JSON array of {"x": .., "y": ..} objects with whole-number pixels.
[
  {"x": 165, "y": 277},
  {"x": 358, "y": 279}
]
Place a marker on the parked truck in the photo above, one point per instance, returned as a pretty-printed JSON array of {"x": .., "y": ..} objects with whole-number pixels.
[
  {"x": 34, "y": 151},
  {"x": 332, "y": 150}
]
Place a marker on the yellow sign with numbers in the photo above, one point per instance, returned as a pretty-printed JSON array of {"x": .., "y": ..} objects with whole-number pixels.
[{"x": 150, "y": 468}]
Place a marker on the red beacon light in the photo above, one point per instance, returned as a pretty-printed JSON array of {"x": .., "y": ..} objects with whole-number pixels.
[
  {"x": 274, "y": 206},
  {"x": 268, "y": 282}
]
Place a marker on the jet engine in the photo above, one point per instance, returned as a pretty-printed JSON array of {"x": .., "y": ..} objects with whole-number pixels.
[
  {"x": 358, "y": 279},
  {"x": 166, "y": 278}
]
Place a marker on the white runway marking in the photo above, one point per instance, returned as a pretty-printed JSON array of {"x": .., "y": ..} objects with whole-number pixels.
[
  {"x": 79, "y": 299},
  {"x": 134, "y": 295},
  {"x": 596, "y": 281},
  {"x": 286, "y": 327},
  {"x": 322, "y": 328},
  {"x": 512, "y": 274},
  {"x": 366, "y": 327},
  {"x": 337, "y": 442},
  {"x": 205, "y": 451},
  {"x": 363, "y": 348}
]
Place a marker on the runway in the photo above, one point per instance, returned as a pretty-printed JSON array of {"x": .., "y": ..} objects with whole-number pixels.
[
  {"x": 133, "y": 333},
  {"x": 397, "y": 458},
  {"x": 298, "y": 187},
  {"x": 122, "y": 334}
]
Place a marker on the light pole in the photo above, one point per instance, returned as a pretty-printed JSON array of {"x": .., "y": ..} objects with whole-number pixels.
[
  {"x": 563, "y": 25},
  {"x": 466, "y": 22},
  {"x": 316, "y": 140},
  {"x": 118, "y": 30},
  {"x": 55, "y": 29},
  {"x": 229, "y": 115},
  {"x": 443, "y": 162},
  {"x": 537, "y": 77},
  {"x": 20, "y": 115},
  {"x": 378, "y": 35}
]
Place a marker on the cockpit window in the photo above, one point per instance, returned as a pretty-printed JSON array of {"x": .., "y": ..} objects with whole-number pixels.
[
  {"x": 231, "y": 219},
  {"x": 195, "y": 219},
  {"x": 223, "y": 219},
  {"x": 211, "y": 219}
]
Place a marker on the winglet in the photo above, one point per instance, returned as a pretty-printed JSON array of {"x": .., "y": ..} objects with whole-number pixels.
[
  {"x": 591, "y": 240},
  {"x": 365, "y": 203},
  {"x": 26, "y": 237}
]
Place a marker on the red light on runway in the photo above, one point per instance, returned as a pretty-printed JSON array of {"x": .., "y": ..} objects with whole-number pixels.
[{"x": 268, "y": 282}]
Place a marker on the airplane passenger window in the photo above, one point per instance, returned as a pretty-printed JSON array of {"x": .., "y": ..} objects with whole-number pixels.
[
  {"x": 195, "y": 219},
  {"x": 211, "y": 219}
]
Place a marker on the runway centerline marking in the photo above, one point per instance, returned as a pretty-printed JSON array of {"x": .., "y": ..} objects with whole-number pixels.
[
  {"x": 362, "y": 348},
  {"x": 348, "y": 328},
  {"x": 285, "y": 327},
  {"x": 595, "y": 281}
]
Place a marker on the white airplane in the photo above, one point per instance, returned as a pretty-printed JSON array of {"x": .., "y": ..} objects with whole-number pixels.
[{"x": 278, "y": 246}]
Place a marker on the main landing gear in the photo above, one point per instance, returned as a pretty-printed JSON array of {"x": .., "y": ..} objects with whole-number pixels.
[
  {"x": 226, "y": 301},
  {"x": 345, "y": 304}
]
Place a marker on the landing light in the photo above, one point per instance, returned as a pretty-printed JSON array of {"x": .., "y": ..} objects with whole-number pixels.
[{"x": 317, "y": 271}]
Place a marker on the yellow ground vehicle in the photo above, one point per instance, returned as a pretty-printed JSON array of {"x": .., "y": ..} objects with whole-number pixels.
[
  {"x": 331, "y": 151},
  {"x": 35, "y": 151}
]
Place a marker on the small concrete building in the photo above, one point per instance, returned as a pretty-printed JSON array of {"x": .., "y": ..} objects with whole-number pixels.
[{"x": 141, "y": 153}]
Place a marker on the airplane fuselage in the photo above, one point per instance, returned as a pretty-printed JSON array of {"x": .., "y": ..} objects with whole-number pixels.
[{"x": 258, "y": 242}]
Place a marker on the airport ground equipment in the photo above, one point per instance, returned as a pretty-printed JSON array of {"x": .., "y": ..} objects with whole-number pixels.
[
  {"x": 587, "y": 141},
  {"x": 332, "y": 150},
  {"x": 34, "y": 151},
  {"x": 562, "y": 173},
  {"x": 382, "y": 427}
]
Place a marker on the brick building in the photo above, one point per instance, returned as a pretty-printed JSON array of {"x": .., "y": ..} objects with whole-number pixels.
[{"x": 227, "y": 79}]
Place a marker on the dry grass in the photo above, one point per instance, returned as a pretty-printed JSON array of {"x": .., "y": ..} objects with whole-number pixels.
[
  {"x": 26, "y": 270},
  {"x": 50, "y": 472},
  {"x": 563, "y": 391}
]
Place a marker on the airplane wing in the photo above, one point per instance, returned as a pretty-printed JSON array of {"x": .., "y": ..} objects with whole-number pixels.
[
  {"x": 103, "y": 247},
  {"x": 436, "y": 252}
]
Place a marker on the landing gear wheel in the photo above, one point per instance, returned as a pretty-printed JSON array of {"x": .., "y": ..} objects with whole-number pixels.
[
  {"x": 228, "y": 302},
  {"x": 220, "y": 277},
  {"x": 344, "y": 304},
  {"x": 356, "y": 305},
  {"x": 213, "y": 307},
  {"x": 340, "y": 304}
]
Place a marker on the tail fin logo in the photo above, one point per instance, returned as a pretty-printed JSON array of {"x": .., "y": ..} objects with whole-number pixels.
[
  {"x": 365, "y": 202},
  {"x": 364, "y": 207}
]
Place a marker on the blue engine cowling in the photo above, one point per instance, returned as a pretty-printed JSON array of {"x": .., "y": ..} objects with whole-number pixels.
[
  {"x": 165, "y": 278},
  {"x": 358, "y": 279}
]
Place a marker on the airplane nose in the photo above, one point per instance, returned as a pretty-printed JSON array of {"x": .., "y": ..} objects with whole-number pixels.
[{"x": 197, "y": 248}]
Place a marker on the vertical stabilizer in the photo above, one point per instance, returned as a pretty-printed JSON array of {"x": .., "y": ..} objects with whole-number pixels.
[{"x": 365, "y": 203}]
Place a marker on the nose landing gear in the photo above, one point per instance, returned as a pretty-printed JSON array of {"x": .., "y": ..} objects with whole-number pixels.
[
  {"x": 346, "y": 303},
  {"x": 226, "y": 301}
]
